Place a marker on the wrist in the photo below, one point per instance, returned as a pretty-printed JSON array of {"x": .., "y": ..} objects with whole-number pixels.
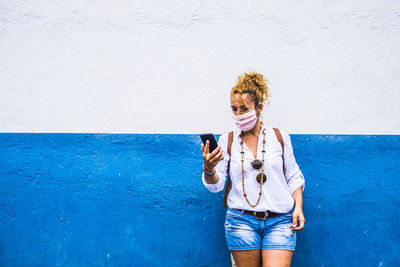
[
  {"x": 298, "y": 207},
  {"x": 209, "y": 172}
]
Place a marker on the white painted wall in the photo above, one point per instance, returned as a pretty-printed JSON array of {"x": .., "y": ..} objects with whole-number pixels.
[{"x": 168, "y": 66}]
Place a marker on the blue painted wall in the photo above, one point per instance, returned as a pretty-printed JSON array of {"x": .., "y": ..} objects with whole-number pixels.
[{"x": 138, "y": 200}]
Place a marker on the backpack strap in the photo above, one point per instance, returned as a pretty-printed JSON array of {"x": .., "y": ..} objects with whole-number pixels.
[
  {"x": 228, "y": 181},
  {"x": 279, "y": 136}
]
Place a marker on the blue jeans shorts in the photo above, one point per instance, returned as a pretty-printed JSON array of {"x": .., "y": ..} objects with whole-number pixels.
[{"x": 244, "y": 231}]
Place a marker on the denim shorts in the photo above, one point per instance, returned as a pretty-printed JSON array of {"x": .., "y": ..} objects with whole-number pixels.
[{"x": 244, "y": 231}]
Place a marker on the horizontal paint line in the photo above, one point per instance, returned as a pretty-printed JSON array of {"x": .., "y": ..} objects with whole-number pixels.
[{"x": 128, "y": 133}]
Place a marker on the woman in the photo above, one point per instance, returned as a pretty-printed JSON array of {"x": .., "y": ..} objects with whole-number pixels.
[{"x": 264, "y": 203}]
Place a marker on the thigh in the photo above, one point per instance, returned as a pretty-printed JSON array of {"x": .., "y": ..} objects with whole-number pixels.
[
  {"x": 276, "y": 258},
  {"x": 278, "y": 233},
  {"x": 247, "y": 258},
  {"x": 241, "y": 231}
]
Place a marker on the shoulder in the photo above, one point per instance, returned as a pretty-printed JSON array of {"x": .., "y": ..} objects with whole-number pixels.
[
  {"x": 283, "y": 132},
  {"x": 223, "y": 141},
  {"x": 223, "y": 138}
]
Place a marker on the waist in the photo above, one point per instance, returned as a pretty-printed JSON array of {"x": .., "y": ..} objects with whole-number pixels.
[{"x": 261, "y": 215}]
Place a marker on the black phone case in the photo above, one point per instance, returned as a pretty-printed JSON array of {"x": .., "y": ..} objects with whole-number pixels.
[{"x": 211, "y": 138}]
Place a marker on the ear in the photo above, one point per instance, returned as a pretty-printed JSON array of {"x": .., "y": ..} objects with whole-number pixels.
[{"x": 260, "y": 108}]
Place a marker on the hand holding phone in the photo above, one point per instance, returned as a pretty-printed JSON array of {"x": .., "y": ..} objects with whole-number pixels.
[
  {"x": 212, "y": 153},
  {"x": 210, "y": 137}
]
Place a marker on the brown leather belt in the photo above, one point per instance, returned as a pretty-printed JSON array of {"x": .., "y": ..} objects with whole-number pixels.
[{"x": 261, "y": 215}]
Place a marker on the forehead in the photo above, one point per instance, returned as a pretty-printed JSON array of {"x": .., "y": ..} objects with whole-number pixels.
[{"x": 241, "y": 100}]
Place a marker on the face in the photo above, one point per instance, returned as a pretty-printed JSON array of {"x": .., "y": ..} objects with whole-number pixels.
[{"x": 243, "y": 103}]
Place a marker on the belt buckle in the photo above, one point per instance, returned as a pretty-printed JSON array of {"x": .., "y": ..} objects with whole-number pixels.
[{"x": 260, "y": 218}]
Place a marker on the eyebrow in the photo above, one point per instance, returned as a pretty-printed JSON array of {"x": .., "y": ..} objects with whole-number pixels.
[{"x": 242, "y": 106}]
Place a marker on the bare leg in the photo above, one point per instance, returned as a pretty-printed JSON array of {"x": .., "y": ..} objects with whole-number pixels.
[
  {"x": 247, "y": 258},
  {"x": 276, "y": 258}
]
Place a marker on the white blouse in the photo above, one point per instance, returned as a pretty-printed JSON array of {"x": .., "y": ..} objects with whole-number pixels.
[{"x": 277, "y": 190}]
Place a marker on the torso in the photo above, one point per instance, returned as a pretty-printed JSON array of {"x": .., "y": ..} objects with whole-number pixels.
[{"x": 252, "y": 144}]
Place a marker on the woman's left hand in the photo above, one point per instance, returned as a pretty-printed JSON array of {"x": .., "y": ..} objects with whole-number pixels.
[{"x": 298, "y": 216}]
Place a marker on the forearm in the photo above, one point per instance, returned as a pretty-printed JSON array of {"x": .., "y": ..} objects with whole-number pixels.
[
  {"x": 211, "y": 179},
  {"x": 298, "y": 198}
]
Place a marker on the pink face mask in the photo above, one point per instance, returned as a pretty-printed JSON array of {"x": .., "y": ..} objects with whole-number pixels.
[{"x": 246, "y": 121}]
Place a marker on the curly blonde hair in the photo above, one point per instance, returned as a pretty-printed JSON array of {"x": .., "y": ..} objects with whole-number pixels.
[{"x": 254, "y": 84}]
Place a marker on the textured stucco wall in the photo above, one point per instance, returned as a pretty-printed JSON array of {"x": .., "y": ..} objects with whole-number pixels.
[
  {"x": 163, "y": 68},
  {"x": 137, "y": 200},
  {"x": 167, "y": 66}
]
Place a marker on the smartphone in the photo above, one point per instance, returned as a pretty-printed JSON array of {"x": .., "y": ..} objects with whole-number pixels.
[{"x": 211, "y": 138}]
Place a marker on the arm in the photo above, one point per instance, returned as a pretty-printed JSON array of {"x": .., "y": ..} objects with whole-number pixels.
[
  {"x": 298, "y": 214},
  {"x": 298, "y": 198},
  {"x": 296, "y": 183},
  {"x": 216, "y": 182},
  {"x": 210, "y": 179},
  {"x": 294, "y": 176}
]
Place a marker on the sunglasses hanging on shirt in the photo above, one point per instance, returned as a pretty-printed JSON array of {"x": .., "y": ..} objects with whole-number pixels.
[{"x": 258, "y": 164}]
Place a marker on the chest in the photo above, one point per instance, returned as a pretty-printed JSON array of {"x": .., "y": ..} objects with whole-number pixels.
[
  {"x": 251, "y": 144},
  {"x": 253, "y": 149}
]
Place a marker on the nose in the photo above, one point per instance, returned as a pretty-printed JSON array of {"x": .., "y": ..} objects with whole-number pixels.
[{"x": 237, "y": 112}]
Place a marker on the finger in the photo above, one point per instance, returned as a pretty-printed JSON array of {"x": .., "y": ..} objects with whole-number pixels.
[
  {"x": 301, "y": 226},
  {"x": 203, "y": 148},
  {"x": 221, "y": 157},
  {"x": 217, "y": 157},
  {"x": 298, "y": 228},
  {"x": 216, "y": 151},
  {"x": 294, "y": 221},
  {"x": 207, "y": 147},
  {"x": 302, "y": 222},
  {"x": 219, "y": 153}
]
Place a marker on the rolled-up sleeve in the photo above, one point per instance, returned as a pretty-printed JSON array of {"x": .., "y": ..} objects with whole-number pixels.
[
  {"x": 221, "y": 168},
  {"x": 294, "y": 176}
]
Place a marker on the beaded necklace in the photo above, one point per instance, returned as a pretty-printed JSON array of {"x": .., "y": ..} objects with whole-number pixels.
[{"x": 260, "y": 179}]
